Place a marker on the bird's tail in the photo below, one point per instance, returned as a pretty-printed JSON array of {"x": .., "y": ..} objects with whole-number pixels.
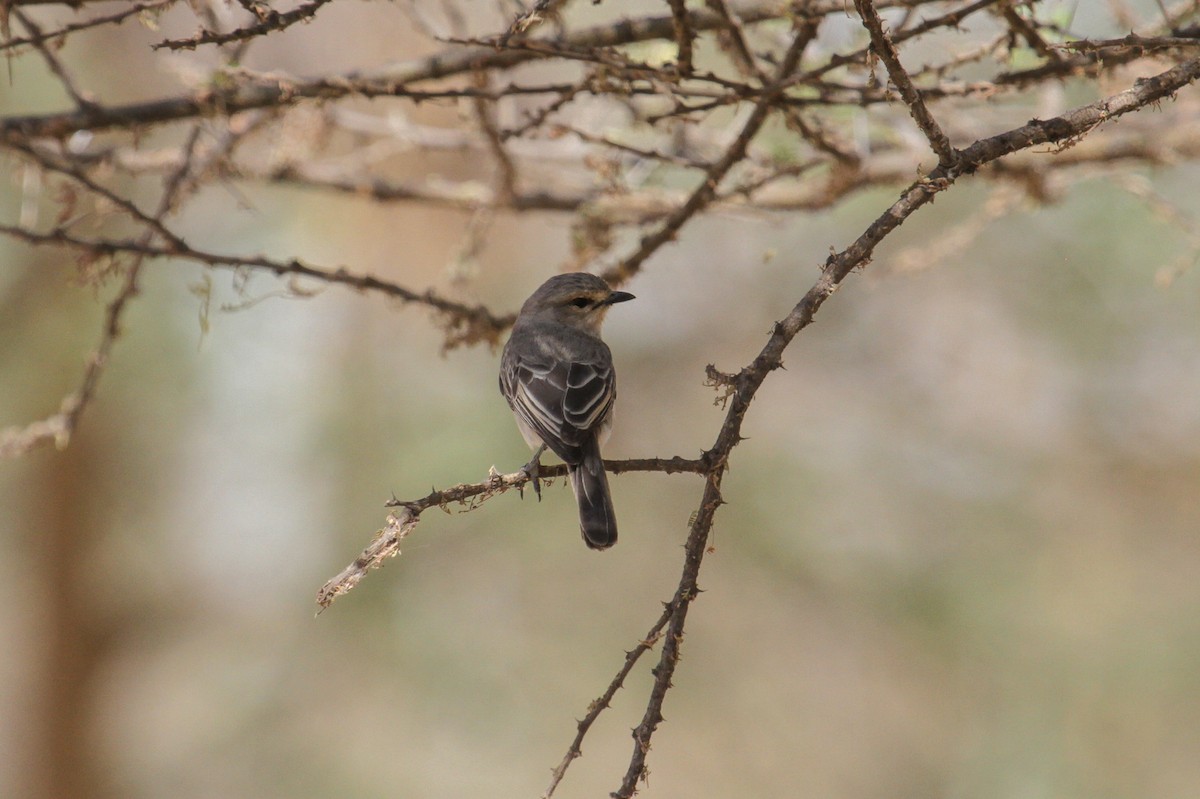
[{"x": 597, "y": 521}]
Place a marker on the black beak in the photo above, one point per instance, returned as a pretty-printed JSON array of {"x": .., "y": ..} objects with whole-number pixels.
[{"x": 618, "y": 296}]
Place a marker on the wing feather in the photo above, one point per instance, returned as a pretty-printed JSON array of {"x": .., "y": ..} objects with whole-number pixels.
[{"x": 565, "y": 402}]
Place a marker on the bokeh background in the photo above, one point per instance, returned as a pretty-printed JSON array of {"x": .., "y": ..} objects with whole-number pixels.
[{"x": 960, "y": 556}]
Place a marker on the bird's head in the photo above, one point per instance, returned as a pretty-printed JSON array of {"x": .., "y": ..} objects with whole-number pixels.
[{"x": 578, "y": 299}]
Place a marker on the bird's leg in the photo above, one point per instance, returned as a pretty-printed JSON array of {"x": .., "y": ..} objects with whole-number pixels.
[{"x": 531, "y": 471}]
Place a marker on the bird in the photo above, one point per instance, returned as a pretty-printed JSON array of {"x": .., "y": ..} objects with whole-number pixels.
[{"x": 557, "y": 376}]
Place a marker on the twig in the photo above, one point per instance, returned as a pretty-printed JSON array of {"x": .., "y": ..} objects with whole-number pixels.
[
  {"x": 95, "y": 22},
  {"x": 269, "y": 21},
  {"x": 683, "y": 35},
  {"x": 154, "y": 222},
  {"x": 61, "y": 426},
  {"x": 58, "y": 428},
  {"x": 506, "y": 170},
  {"x": 732, "y": 38},
  {"x": 1023, "y": 28},
  {"x": 537, "y": 118},
  {"x": 466, "y": 324},
  {"x": 886, "y": 50},
  {"x": 524, "y": 24},
  {"x": 734, "y": 42},
  {"x": 386, "y": 542},
  {"x": 458, "y": 61},
  {"x": 601, "y": 703},
  {"x": 706, "y": 191},
  {"x": 1136, "y": 44},
  {"x": 56, "y": 66}
]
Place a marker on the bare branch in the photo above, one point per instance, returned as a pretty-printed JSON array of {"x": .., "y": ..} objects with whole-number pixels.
[
  {"x": 1134, "y": 44},
  {"x": 59, "y": 34},
  {"x": 706, "y": 191},
  {"x": 837, "y": 267},
  {"x": 524, "y": 24},
  {"x": 602, "y": 703},
  {"x": 1027, "y": 31},
  {"x": 683, "y": 34},
  {"x": 38, "y": 40},
  {"x": 61, "y": 426},
  {"x": 506, "y": 170},
  {"x": 69, "y": 170},
  {"x": 269, "y": 21},
  {"x": 886, "y": 50},
  {"x": 386, "y": 542},
  {"x": 391, "y": 80},
  {"x": 466, "y": 324},
  {"x": 58, "y": 428}
]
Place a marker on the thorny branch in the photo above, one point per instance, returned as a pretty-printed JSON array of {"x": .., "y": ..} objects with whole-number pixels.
[
  {"x": 747, "y": 117},
  {"x": 400, "y": 522},
  {"x": 60, "y": 34},
  {"x": 883, "y": 47},
  {"x": 269, "y": 21},
  {"x": 837, "y": 267}
]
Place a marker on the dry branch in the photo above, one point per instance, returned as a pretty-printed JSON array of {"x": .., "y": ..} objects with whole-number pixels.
[
  {"x": 270, "y": 21},
  {"x": 837, "y": 267},
  {"x": 386, "y": 542},
  {"x": 59, "y": 427},
  {"x": 707, "y": 190},
  {"x": 465, "y": 324},
  {"x": 882, "y": 44},
  {"x": 388, "y": 81}
]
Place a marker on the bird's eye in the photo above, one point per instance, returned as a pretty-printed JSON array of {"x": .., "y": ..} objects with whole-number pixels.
[{"x": 581, "y": 302}]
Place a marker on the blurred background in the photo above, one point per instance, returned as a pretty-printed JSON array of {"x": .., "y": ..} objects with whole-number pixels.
[{"x": 960, "y": 555}]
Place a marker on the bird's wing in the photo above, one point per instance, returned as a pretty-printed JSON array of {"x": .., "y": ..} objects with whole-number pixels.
[{"x": 564, "y": 401}]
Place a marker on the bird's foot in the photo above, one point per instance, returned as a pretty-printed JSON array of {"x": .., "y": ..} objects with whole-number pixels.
[{"x": 532, "y": 471}]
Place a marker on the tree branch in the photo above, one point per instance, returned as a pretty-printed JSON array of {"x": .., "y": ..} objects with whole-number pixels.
[
  {"x": 61, "y": 33},
  {"x": 457, "y": 61},
  {"x": 886, "y": 50},
  {"x": 59, "y": 428},
  {"x": 706, "y": 191},
  {"x": 837, "y": 267},
  {"x": 466, "y": 324},
  {"x": 386, "y": 542},
  {"x": 683, "y": 35},
  {"x": 270, "y": 21},
  {"x": 602, "y": 703}
]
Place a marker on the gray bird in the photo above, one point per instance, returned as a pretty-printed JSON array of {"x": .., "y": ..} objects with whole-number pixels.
[{"x": 558, "y": 378}]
